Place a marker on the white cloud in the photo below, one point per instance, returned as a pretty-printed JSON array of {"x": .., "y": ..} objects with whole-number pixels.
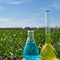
[
  {"x": 56, "y": 5},
  {"x": 25, "y": 23},
  {"x": 1, "y": 7},
  {"x": 8, "y": 22},
  {"x": 1, "y": 0},
  {"x": 4, "y": 20},
  {"x": 16, "y": 2}
]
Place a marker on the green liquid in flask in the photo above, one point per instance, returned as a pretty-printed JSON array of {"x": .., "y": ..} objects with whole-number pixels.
[
  {"x": 48, "y": 52},
  {"x": 30, "y": 51}
]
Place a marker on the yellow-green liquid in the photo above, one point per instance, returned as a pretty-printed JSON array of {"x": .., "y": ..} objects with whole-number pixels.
[{"x": 48, "y": 52}]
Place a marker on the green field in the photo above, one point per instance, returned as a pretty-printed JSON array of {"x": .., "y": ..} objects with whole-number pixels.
[{"x": 12, "y": 41}]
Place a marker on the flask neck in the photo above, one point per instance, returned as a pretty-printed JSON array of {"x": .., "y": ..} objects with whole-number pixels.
[
  {"x": 31, "y": 35},
  {"x": 47, "y": 29},
  {"x": 48, "y": 38}
]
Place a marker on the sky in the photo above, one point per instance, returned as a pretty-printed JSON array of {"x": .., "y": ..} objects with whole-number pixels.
[{"x": 29, "y": 13}]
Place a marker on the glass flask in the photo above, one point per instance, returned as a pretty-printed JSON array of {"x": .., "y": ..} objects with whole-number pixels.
[
  {"x": 48, "y": 51},
  {"x": 30, "y": 51}
]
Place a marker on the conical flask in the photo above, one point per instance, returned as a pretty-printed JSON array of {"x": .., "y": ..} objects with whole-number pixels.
[
  {"x": 30, "y": 51},
  {"x": 48, "y": 52}
]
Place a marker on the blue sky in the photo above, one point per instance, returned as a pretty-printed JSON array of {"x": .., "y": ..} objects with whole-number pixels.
[{"x": 28, "y": 13}]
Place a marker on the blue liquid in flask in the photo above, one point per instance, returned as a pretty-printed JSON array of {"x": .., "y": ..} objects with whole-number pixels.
[{"x": 30, "y": 51}]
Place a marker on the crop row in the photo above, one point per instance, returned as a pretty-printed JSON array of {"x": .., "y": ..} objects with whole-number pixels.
[{"x": 12, "y": 42}]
